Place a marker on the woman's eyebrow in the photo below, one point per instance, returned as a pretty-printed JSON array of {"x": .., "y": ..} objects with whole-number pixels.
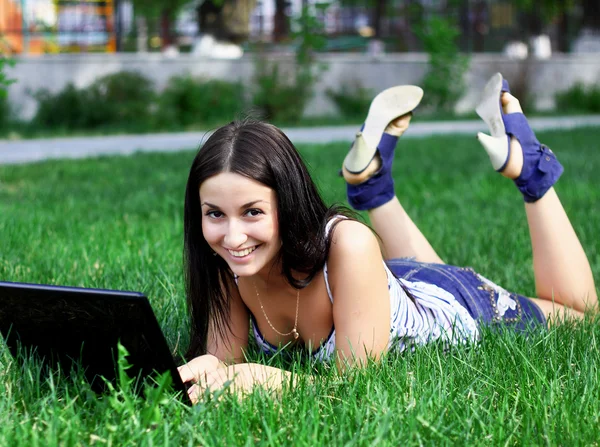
[
  {"x": 249, "y": 204},
  {"x": 245, "y": 205}
]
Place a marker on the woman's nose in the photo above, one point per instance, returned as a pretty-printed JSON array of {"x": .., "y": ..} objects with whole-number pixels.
[{"x": 235, "y": 236}]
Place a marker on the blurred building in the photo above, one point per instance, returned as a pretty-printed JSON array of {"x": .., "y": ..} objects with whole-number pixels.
[{"x": 50, "y": 26}]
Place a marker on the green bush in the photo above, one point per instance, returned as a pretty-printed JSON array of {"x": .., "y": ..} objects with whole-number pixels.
[
  {"x": 579, "y": 98},
  {"x": 121, "y": 99},
  {"x": 5, "y": 112},
  {"x": 66, "y": 109},
  {"x": 352, "y": 100},
  {"x": 444, "y": 83},
  {"x": 5, "y": 81},
  {"x": 278, "y": 98},
  {"x": 190, "y": 101}
]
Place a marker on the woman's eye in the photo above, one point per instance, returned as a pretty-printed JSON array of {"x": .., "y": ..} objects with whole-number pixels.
[
  {"x": 253, "y": 212},
  {"x": 214, "y": 214}
]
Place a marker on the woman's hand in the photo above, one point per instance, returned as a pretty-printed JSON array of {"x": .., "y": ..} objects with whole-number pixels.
[
  {"x": 197, "y": 371},
  {"x": 241, "y": 377},
  {"x": 198, "y": 367},
  {"x": 210, "y": 380}
]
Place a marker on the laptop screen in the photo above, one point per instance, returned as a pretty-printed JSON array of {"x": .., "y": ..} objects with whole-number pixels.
[{"x": 68, "y": 326}]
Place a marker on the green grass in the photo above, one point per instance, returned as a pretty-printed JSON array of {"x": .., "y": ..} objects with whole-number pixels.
[{"x": 117, "y": 223}]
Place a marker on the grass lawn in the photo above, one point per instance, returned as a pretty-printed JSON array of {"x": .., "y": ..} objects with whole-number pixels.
[{"x": 117, "y": 223}]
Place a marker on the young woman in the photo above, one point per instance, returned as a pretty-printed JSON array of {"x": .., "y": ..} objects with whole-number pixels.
[{"x": 267, "y": 259}]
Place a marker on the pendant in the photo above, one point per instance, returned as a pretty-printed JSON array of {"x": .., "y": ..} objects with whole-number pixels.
[{"x": 295, "y": 334}]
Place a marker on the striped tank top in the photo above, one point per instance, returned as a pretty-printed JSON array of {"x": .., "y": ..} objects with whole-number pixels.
[{"x": 431, "y": 314}]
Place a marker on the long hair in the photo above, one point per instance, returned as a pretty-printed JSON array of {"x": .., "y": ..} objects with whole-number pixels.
[{"x": 263, "y": 153}]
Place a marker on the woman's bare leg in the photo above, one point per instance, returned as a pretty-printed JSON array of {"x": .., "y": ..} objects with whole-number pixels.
[
  {"x": 399, "y": 235},
  {"x": 557, "y": 313},
  {"x": 562, "y": 271}
]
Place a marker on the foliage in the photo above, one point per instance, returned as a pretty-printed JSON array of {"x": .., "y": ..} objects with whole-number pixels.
[
  {"x": 5, "y": 112},
  {"x": 125, "y": 402},
  {"x": 190, "y": 101},
  {"x": 67, "y": 108},
  {"x": 283, "y": 96},
  {"x": 444, "y": 82},
  {"x": 309, "y": 31},
  {"x": 158, "y": 17},
  {"x": 121, "y": 99},
  {"x": 352, "y": 100},
  {"x": 152, "y": 9},
  {"x": 278, "y": 96},
  {"x": 127, "y": 100},
  {"x": 579, "y": 98},
  {"x": 546, "y": 9},
  {"x": 5, "y": 81}
]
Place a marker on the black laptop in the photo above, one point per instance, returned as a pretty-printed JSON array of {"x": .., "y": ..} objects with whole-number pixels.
[{"x": 77, "y": 327}]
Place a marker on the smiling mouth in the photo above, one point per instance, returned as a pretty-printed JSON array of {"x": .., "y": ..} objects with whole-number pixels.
[{"x": 242, "y": 253}]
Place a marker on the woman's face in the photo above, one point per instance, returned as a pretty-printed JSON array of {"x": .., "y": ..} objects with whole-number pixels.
[{"x": 239, "y": 222}]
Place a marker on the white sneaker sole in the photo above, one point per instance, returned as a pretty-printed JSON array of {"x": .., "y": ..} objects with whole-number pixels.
[{"x": 388, "y": 105}]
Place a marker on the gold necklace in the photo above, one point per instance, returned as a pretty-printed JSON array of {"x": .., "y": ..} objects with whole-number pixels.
[{"x": 293, "y": 332}]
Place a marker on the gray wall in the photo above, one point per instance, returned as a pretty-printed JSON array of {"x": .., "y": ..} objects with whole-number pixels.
[{"x": 544, "y": 78}]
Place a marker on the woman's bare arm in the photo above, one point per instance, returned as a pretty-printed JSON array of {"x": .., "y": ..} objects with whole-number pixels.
[{"x": 361, "y": 300}]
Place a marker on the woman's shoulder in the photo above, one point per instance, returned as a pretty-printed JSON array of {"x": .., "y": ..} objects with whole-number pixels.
[
  {"x": 351, "y": 237},
  {"x": 355, "y": 257}
]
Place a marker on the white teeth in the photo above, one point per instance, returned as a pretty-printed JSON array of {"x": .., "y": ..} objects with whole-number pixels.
[{"x": 239, "y": 254}]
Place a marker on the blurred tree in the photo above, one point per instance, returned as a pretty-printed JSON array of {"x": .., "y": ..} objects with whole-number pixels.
[
  {"x": 226, "y": 20},
  {"x": 210, "y": 18},
  {"x": 537, "y": 14},
  {"x": 439, "y": 37},
  {"x": 378, "y": 14},
  {"x": 281, "y": 26},
  {"x": 591, "y": 14},
  {"x": 163, "y": 11}
]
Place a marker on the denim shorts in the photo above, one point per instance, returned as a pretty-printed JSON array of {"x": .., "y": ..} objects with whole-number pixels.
[{"x": 487, "y": 302}]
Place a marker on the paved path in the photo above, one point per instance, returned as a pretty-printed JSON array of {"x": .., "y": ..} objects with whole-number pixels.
[{"x": 25, "y": 151}]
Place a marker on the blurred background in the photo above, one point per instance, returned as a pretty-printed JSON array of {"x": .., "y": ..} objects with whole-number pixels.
[
  {"x": 55, "y": 26},
  {"x": 288, "y": 59}
]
